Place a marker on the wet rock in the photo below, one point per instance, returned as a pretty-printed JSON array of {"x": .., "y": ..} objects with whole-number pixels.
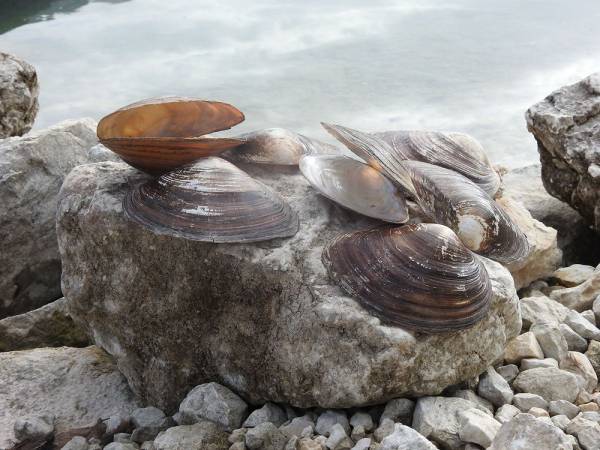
[
  {"x": 214, "y": 402},
  {"x": 315, "y": 343},
  {"x": 566, "y": 127},
  {"x": 265, "y": 436},
  {"x": 269, "y": 412},
  {"x": 203, "y": 435},
  {"x": 522, "y": 346},
  {"x": 563, "y": 407},
  {"x": 75, "y": 385},
  {"x": 404, "y": 438},
  {"x": 525, "y": 401},
  {"x": 399, "y": 410},
  {"x": 527, "y": 432},
  {"x": 494, "y": 388},
  {"x": 578, "y": 364},
  {"x": 48, "y": 326},
  {"x": 477, "y": 427},
  {"x": 19, "y": 91},
  {"x": 549, "y": 383},
  {"x": 32, "y": 169},
  {"x": 574, "y": 342}
]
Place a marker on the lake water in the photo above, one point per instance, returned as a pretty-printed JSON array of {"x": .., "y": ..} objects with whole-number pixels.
[{"x": 466, "y": 65}]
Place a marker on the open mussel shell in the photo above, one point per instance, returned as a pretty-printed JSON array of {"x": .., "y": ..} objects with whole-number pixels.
[
  {"x": 277, "y": 146},
  {"x": 456, "y": 151},
  {"x": 211, "y": 200},
  {"x": 355, "y": 186},
  {"x": 419, "y": 277},
  {"x": 455, "y": 201},
  {"x": 159, "y": 134}
]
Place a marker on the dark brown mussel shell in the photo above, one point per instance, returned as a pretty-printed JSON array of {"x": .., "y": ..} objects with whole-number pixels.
[
  {"x": 160, "y": 134},
  {"x": 211, "y": 200},
  {"x": 277, "y": 146},
  {"x": 418, "y": 277}
]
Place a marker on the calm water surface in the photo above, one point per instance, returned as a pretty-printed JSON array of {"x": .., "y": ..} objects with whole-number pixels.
[{"x": 467, "y": 65}]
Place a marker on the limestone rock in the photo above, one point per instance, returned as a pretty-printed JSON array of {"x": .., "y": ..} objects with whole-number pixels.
[
  {"x": 527, "y": 432},
  {"x": 506, "y": 413},
  {"x": 574, "y": 341},
  {"x": 34, "y": 428},
  {"x": 477, "y": 427},
  {"x": 542, "y": 310},
  {"x": 399, "y": 410},
  {"x": 549, "y": 383},
  {"x": 578, "y": 364},
  {"x": 580, "y": 297},
  {"x": 238, "y": 304},
  {"x": 581, "y": 326},
  {"x": 479, "y": 402},
  {"x": 586, "y": 431},
  {"x": 328, "y": 419},
  {"x": 405, "y": 438},
  {"x": 214, "y": 402},
  {"x": 148, "y": 423},
  {"x": 525, "y": 401},
  {"x": 203, "y": 435},
  {"x": 338, "y": 439},
  {"x": 75, "y": 385},
  {"x": 299, "y": 426},
  {"x": 561, "y": 421},
  {"x": 509, "y": 372},
  {"x": 437, "y": 419},
  {"x": 364, "y": 420},
  {"x": 553, "y": 343},
  {"x": 77, "y": 443},
  {"x": 265, "y": 436},
  {"x": 19, "y": 91},
  {"x": 532, "y": 363},
  {"x": 269, "y": 412},
  {"x": 48, "y": 326},
  {"x": 32, "y": 169},
  {"x": 494, "y": 388},
  {"x": 523, "y": 346},
  {"x": 566, "y": 125},
  {"x": 563, "y": 407},
  {"x": 573, "y": 275},
  {"x": 593, "y": 355},
  {"x": 544, "y": 257}
]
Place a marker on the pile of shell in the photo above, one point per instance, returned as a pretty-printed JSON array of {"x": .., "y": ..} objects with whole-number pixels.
[{"x": 421, "y": 277}]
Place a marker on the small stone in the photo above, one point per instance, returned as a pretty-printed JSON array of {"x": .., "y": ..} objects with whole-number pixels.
[
  {"x": 292, "y": 443},
  {"x": 538, "y": 412},
  {"x": 541, "y": 309},
  {"x": 591, "y": 406},
  {"x": 583, "y": 397},
  {"x": 573, "y": 275},
  {"x": 479, "y": 402},
  {"x": 358, "y": 432},
  {"x": 477, "y": 427},
  {"x": 575, "y": 342},
  {"x": 509, "y": 372},
  {"x": 596, "y": 309},
  {"x": 494, "y": 388},
  {"x": 328, "y": 419},
  {"x": 386, "y": 427},
  {"x": 33, "y": 428},
  {"x": 238, "y": 446},
  {"x": 238, "y": 435},
  {"x": 561, "y": 421},
  {"x": 589, "y": 316},
  {"x": 149, "y": 445},
  {"x": 548, "y": 382},
  {"x": 578, "y": 364},
  {"x": 531, "y": 363},
  {"x": 594, "y": 416},
  {"x": 147, "y": 417},
  {"x": 362, "y": 444},
  {"x": 269, "y": 412},
  {"x": 553, "y": 343},
  {"x": 525, "y": 401},
  {"x": 523, "y": 346},
  {"x": 580, "y": 297},
  {"x": 581, "y": 326},
  {"x": 77, "y": 443},
  {"x": 399, "y": 410},
  {"x": 121, "y": 446},
  {"x": 265, "y": 436},
  {"x": 122, "y": 437},
  {"x": 361, "y": 418},
  {"x": 405, "y": 438},
  {"x": 506, "y": 413},
  {"x": 593, "y": 355},
  {"x": 527, "y": 432},
  {"x": 118, "y": 424},
  {"x": 309, "y": 444},
  {"x": 586, "y": 431},
  {"x": 214, "y": 402},
  {"x": 563, "y": 407},
  {"x": 297, "y": 426},
  {"x": 338, "y": 439}
]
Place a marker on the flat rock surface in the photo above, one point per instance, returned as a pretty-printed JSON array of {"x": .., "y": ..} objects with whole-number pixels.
[
  {"x": 262, "y": 319},
  {"x": 32, "y": 169},
  {"x": 75, "y": 385}
]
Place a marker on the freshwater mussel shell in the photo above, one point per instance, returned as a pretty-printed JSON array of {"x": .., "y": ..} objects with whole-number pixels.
[
  {"x": 277, "y": 146},
  {"x": 159, "y": 134},
  {"x": 211, "y": 200},
  {"x": 356, "y": 186},
  {"x": 455, "y": 201},
  {"x": 418, "y": 277}
]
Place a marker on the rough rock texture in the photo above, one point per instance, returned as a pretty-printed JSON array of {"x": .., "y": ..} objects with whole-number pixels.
[
  {"x": 32, "y": 169},
  {"x": 204, "y": 435},
  {"x": 581, "y": 297},
  {"x": 18, "y": 96},
  {"x": 75, "y": 385},
  {"x": 566, "y": 125},
  {"x": 544, "y": 257},
  {"x": 262, "y": 319},
  {"x": 405, "y": 438},
  {"x": 48, "y": 326},
  {"x": 527, "y": 432},
  {"x": 578, "y": 242},
  {"x": 548, "y": 382}
]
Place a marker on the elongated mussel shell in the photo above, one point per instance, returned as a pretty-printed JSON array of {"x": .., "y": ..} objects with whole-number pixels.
[
  {"x": 211, "y": 200},
  {"x": 355, "y": 186},
  {"x": 455, "y": 201},
  {"x": 419, "y": 277},
  {"x": 160, "y": 134},
  {"x": 456, "y": 151},
  {"x": 277, "y": 146}
]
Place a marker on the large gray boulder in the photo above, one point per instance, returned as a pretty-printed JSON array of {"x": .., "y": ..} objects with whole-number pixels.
[
  {"x": 263, "y": 319},
  {"x": 18, "y": 96},
  {"x": 566, "y": 125},
  {"x": 76, "y": 386},
  {"x": 32, "y": 169}
]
